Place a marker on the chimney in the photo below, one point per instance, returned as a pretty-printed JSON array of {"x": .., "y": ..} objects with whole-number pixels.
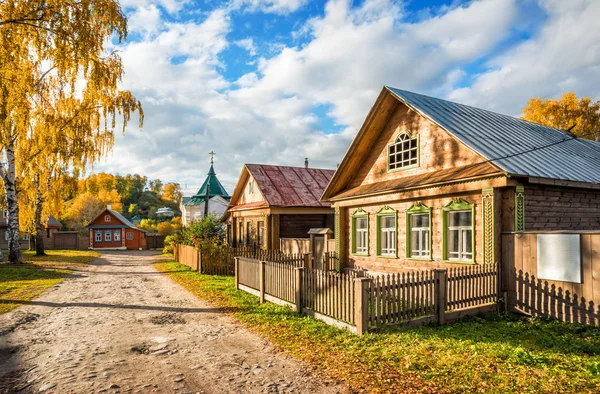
[
  {"x": 108, "y": 206},
  {"x": 306, "y": 162}
]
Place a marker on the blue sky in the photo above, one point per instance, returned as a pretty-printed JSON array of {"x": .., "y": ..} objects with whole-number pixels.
[{"x": 274, "y": 81}]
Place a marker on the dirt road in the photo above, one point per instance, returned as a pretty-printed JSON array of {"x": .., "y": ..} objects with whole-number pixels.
[{"x": 120, "y": 326}]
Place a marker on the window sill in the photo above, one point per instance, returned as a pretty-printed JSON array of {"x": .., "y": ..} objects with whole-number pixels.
[
  {"x": 419, "y": 258},
  {"x": 403, "y": 168},
  {"x": 388, "y": 256},
  {"x": 466, "y": 262}
]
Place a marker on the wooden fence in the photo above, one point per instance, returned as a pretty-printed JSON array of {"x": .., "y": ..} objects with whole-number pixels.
[
  {"x": 577, "y": 301},
  {"x": 360, "y": 304},
  {"x": 220, "y": 261}
]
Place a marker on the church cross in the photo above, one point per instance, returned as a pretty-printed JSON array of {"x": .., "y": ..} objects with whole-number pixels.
[{"x": 212, "y": 156}]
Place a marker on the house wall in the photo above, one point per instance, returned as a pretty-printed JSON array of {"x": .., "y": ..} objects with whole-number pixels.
[
  {"x": 103, "y": 243},
  {"x": 437, "y": 149},
  {"x": 190, "y": 213},
  {"x": 137, "y": 241},
  {"x": 297, "y": 226},
  {"x": 559, "y": 208},
  {"x": 372, "y": 262},
  {"x": 246, "y": 196}
]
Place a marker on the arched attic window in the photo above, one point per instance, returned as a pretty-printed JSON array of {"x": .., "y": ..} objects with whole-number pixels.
[{"x": 403, "y": 152}]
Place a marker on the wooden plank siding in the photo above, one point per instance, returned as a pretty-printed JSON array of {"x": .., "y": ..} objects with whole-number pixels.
[{"x": 565, "y": 301}]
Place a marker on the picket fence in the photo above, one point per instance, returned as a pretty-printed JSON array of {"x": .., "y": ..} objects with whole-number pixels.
[{"x": 364, "y": 303}]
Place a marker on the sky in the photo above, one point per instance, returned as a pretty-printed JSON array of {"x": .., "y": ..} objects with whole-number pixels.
[{"x": 275, "y": 81}]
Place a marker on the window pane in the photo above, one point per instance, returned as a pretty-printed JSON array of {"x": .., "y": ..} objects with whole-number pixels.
[
  {"x": 361, "y": 223},
  {"x": 419, "y": 220},
  {"x": 453, "y": 241},
  {"x": 388, "y": 222},
  {"x": 459, "y": 219},
  {"x": 468, "y": 241}
]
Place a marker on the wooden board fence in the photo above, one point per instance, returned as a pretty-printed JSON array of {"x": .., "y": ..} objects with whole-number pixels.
[
  {"x": 471, "y": 286},
  {"x": 280, "y": 280},
  {"x": 396, "y": 298},
  {"x": 248, "y": 272},
  {"x": 329, "y": 293}
]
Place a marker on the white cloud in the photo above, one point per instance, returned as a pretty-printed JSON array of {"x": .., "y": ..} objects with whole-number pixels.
[
  {"x": 282, "y": 7},
  {"x": 247, "y": 44},
  {"x": 266, "y": 115},
  {"x": 563, "y": 56}
]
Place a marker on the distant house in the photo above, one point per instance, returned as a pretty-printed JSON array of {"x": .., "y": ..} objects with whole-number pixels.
[
  {"x": 110, "y": 230},
  {"x": 24, "y": 240},
  {"x": 165, "y": 213},
  {"x": 430, "y": 183},
  {"x": 270, "y": 203},
  {"x": 211, "y": 198}
]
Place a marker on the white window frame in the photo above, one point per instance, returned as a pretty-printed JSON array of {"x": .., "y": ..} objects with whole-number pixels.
[
  {"x": 389, "y": 234},
  {"x": 423, "y": 237},
  {"x": 107, "y": 218},
  {"x": 108, "y": 236},
  {"x": 463, "y": 238},
  {"x": 361, "y": 234},
  {"x": 403, "y": 153},
  {"x": 117, "y": 236},
  {"x": 98, "y": 236}
]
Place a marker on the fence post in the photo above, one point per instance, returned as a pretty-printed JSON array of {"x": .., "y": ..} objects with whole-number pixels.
[
  {"x": 176, "y": 252},
  {"x": 308, "y": 260},
  {"x": 200, "y": 260},
  {"x": 261, "y": 280},
  {"x": 440, "y": 294},
  {"x": 361, "y": 304},
  {"x": 299, "y": 273},
  {"x": 237, "y": 272}
]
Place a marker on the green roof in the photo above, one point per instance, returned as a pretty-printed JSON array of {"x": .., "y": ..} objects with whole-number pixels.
[{"x": 216, "y": 189}]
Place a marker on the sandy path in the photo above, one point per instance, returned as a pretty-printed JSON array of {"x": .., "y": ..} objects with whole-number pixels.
[{"x": 120, "y": 326}]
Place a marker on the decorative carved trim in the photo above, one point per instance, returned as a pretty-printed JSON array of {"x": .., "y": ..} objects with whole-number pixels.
[
  {"x": 386, "y": 211},
  {"x": 338, "y": 231},
  {"x": 418, "y": 207},
  {"x": 520, "y": 209},
  {"x": 360, "y": 212},
  {"x": 488, "y": 225},
  {"x": 457, "y": 204}
]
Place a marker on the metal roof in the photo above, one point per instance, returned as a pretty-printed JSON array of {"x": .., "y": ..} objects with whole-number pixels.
[
  {"x": 216, "y": 189},
  {"x": 291, "y": 186},
  {"x": 516, "y": 146}
]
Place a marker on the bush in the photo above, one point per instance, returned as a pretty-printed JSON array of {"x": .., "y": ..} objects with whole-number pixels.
[{"x": 207, "y": 233}]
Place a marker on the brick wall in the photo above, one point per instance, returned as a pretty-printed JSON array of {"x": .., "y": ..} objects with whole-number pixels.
[{"x": 555, "y": 208}]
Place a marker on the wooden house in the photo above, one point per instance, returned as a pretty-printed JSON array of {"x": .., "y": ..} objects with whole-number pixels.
[
  {"x": 271, "y": 203},
  {"x": 429, "y": 183},
  {"x": 112, "y": 231}
]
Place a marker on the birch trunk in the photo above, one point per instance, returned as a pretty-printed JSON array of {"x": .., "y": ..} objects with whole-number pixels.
[
  {"x": 10, "y": 186},
  {"x": 39, "y": 228}
]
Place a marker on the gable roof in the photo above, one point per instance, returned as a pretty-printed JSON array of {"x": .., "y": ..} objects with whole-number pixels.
[
  {"x": 216, "y": 189},
  {"x": 284, "y": 186},
  {"x": 116, "y": 214},
  {"x": 517, "y": 146},
  {"x": 52, "y": 222},
  {"x": 514, "y": 146}
]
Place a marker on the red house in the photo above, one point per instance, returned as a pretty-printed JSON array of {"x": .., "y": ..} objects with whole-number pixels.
[{"x": 110, "y": 230}]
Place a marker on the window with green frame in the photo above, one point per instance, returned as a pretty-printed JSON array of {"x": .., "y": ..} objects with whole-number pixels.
[
  {"x": 418, "y": 232},
  {"x": 387, "y": 232},
  {"x": 360, "y": 232},
  {"x": 459, "y": 231}
]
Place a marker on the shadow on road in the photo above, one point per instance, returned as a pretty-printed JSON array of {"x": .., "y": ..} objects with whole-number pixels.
[{"x": 115, "y": 306}]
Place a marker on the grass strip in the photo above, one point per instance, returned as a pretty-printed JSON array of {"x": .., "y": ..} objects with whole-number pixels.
[
  {"x": 20, "y": 283},
  {"x": 498, "y": 353}
]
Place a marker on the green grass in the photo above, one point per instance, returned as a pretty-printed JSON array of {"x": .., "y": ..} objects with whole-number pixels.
[
  {"x": 22, "y": 282},
  {"x": 494, "y": 354}
]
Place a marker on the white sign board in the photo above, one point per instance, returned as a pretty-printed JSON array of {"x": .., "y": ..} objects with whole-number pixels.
[{"x": 559, "y": 257}]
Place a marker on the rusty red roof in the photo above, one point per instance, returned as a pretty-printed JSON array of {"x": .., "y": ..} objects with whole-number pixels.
[
  {"x": 291, "y": 186},
  {"x": 250, "y": 205}
]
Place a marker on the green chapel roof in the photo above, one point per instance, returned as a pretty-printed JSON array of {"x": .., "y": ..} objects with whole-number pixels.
[{"x": 216, "y": 189}]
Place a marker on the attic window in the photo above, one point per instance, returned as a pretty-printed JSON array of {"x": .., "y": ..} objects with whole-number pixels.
[
  {"x": 251, "y": 187},
  {"x": 107, "y": 218},
  {"x": 403, "y": 152}
]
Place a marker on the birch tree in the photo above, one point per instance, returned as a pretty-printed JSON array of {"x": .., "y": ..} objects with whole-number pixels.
[{"x": 58, "y": 90}]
